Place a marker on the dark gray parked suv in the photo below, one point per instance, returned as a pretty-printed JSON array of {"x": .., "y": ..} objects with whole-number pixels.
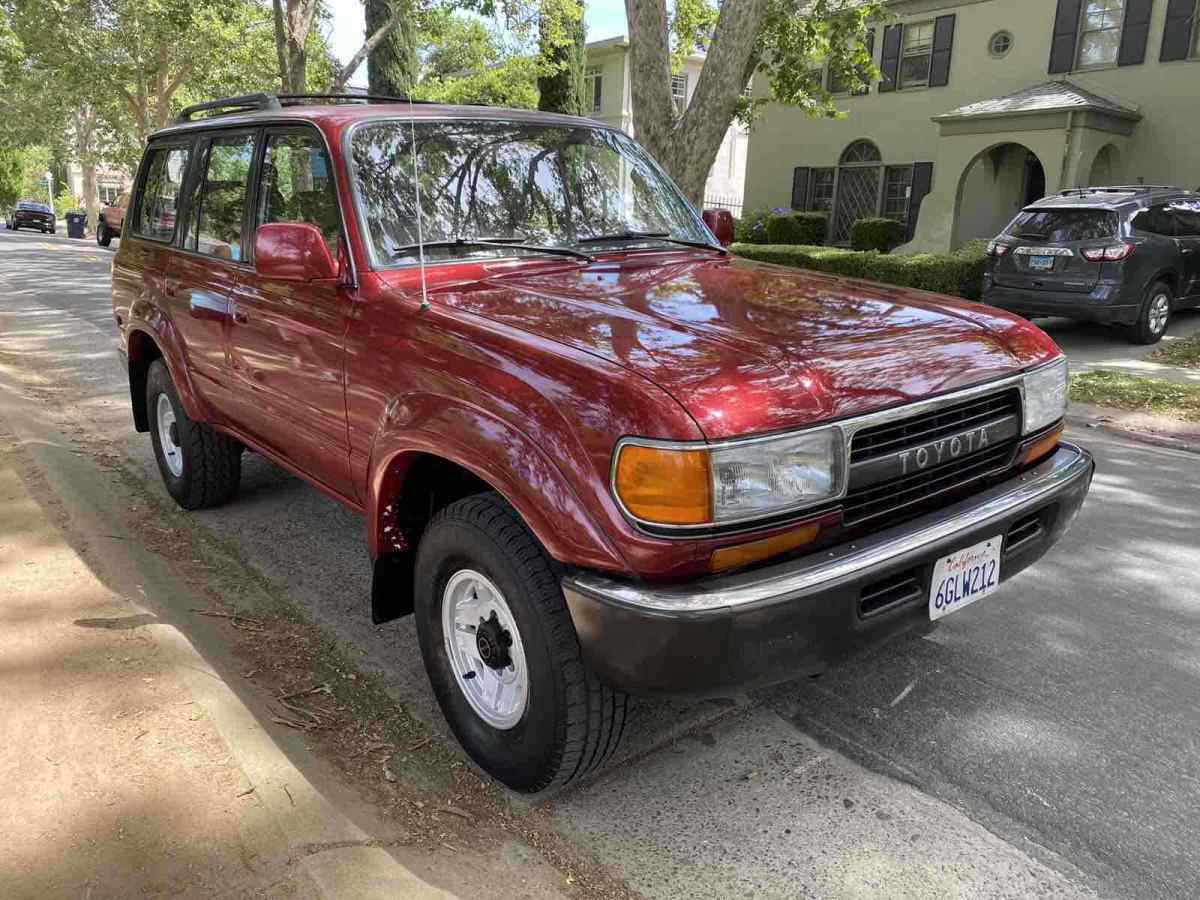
[{"x": 1118, "y": 255}]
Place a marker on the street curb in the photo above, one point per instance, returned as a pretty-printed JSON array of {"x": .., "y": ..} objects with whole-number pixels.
[{"x": 1146, "y": 428}]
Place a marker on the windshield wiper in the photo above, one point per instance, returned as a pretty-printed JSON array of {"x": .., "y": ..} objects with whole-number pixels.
[
  {"x": 500, "y": 243},
  {"x": 649, "y": 235}
]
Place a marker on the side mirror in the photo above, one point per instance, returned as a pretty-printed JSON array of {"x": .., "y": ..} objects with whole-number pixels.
[
  {"x": 292, "y": 251},
  {"x": 720, "y": 223}
]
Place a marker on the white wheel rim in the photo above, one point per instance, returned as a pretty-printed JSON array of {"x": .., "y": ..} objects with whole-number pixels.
[
  {"x": 498, "y": 695},
  {"x": 1160, "y": 310},
  {"x": 171, "y": 451}
]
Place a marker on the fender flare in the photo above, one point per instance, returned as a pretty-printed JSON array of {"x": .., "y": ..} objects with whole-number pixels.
[
  {"x": 162, "y": 334},
  {"x": 509, "y": 462}
]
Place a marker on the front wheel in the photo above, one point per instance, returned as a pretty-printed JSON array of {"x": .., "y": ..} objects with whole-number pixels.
[
  {"x": 1154, "y": 316},
  {"x": 502, "y": 654},
  {"x": 200, "y": 467}
]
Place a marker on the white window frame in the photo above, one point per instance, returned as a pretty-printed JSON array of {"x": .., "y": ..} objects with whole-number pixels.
[
  {"x": 905, "y": 53},
  {"x": 1084, "y": 31},
  {"x": 679, "y": 98}
]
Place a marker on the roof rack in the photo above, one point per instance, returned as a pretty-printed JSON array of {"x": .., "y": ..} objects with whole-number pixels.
[
  {"x": 275, "y": 102},
  {"x": 1117, "y": 189},
  {"x": 229, "y": 105}
]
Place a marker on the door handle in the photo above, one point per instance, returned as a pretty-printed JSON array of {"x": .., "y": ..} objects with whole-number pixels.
[{"x": 240, "y": 316}]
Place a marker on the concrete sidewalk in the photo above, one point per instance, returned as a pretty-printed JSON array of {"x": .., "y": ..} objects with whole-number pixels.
[{"x": 118, "y": 777}]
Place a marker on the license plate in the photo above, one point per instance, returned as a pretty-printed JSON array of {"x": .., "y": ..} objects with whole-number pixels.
[
  {"x": 964, "y": 577},
  {"x": 1041, "y": 263}
]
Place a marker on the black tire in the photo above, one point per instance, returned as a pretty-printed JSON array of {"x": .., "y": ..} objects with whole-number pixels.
[
  {"x": 103, "y": 235},
  {"x": 572, "y": 723},
  {"x": 211, "y": 462},
  {"x": 1151, "y": 324}
]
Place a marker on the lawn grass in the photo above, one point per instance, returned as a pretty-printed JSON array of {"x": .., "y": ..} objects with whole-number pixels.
[
  {"x": 1183, "y": 352},
  {"x": 1117, "y": 389}
]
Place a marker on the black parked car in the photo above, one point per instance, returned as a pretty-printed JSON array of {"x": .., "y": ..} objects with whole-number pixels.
[
  {"x": 29, "y": 214},
  {"x": 1119, "y": 255}
]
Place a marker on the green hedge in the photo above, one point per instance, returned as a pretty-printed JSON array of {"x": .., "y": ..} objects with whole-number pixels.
[
  {"x": 883, "y": 235},
  {"x": 959, "y": 273},
  {"x": 797, "y": 228},
  {"x": 752, "y": 227}
]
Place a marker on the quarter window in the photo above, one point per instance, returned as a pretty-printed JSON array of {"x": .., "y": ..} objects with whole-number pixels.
[
  {"x": 1154, "y": 220},
  {"x": 218, "y": 214},
  {"x": 1187, "y": 217},
  {"x": 918, "y": 54},
  {"x": 1100, "y": 32},
  {"x": 155, "y": 217},
  {"x": 297, "y": 185}
]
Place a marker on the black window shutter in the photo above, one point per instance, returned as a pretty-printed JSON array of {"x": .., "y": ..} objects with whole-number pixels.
[
  {"x": 922, "y": 183},
  {"x": 800, "y": 187},
  {"x": 1135, "y": 32},
  {"x": 864, "y": 74},
  {"x": 943, "y": 44},
  {"x": 1177, "y": 36},
  {"x": 1066, "y": 35},
  {"x": 889, "y": 64}
]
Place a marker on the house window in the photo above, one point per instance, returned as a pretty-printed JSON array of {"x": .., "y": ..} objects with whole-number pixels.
[
  {"x": 593, "y": 85},
  {"x": 1000, "y": 44},
  {"x": 1100, "y": 32},
  {"x": 820, "y": 197},
  {"x": 897, "y": 186},
  {"x": 679, "y": 92},
  {"x": 917, "y": 56},
  {"x": 1196, "y": 31},
  {"x": 838, "y": 83}
]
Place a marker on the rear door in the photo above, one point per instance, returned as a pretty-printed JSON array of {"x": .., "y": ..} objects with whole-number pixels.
[
  {"x": 1187, "y": 237},
  {"x": 1046, "y": 249},
  {"x": 287, "y": 339},
  {"x": 205, "y": 270}
]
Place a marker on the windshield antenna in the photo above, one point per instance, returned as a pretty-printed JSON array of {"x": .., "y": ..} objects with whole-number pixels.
[{"x": 417, "y": 185}]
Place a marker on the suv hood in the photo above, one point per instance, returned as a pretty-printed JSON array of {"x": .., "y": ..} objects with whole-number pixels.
[{"x": 748, "y": 348}]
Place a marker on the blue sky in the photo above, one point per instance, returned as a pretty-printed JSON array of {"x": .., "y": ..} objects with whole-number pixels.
[{"x": 604, "y": 18}]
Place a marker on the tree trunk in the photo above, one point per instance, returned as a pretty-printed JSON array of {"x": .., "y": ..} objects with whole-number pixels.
[
  {"x": 392, "y": 64},
  {"x": 687, "y": 145},
  {"x": 562, "y": 47}
]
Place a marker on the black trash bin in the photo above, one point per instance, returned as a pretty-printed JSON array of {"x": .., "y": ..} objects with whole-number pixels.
[{"x": 76, "y": 223}]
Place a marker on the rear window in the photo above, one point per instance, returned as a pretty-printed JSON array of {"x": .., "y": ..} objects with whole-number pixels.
[
  {"x": 1061, "y": 226},
  {"x": 39, "y": 207}
]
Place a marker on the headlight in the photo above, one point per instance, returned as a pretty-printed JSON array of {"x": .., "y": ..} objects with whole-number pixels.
[
  {"x": 746, "y": 480},
  {"x": 1045, "y": 396}
]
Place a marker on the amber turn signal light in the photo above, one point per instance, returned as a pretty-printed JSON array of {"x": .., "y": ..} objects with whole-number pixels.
[
  {"x": 665, "y": 486},
  {"x": 1042, "y": 447},
  {"x": 744, "y": 554}
]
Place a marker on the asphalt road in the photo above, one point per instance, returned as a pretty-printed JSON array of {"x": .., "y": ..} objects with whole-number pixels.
[{"x": 1043, "y": 742}]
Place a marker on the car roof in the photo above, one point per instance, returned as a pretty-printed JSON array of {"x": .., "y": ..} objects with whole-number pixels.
[
  {"x": 1112, "y": 199},
  {"x": 340, "y": 114}
]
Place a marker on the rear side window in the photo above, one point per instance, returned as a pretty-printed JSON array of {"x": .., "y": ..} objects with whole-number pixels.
[
  {"x": 218, "y": 212},
  {"x": 1154, "y": 220},
  {"x": 155, "y": 218},
  {"x": 1187, "y": 217},
  {"x": 297, "y": 185},
  {"x": 1061, "y": 226}
]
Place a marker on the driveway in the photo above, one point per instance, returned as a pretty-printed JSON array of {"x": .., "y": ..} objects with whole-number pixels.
[
  {"x": 1039, "y": 743},
  {"x": 1091, "y": 346}
]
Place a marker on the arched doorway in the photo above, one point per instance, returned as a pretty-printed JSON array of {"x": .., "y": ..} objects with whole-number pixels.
[
  {"x": 1106, "y": 168},
  {"x": 860, "y": 178},
  {"x": 993, "y": 188}
]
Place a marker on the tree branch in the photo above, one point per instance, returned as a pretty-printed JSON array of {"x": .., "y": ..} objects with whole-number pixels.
[{"x": 364, "y": 51}]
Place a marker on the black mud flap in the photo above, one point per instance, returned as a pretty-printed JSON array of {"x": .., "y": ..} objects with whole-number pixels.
[{"x": 392, "y": 587}]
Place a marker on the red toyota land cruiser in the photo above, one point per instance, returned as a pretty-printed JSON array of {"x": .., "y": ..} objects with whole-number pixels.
[{"x": 596, "y": 454}]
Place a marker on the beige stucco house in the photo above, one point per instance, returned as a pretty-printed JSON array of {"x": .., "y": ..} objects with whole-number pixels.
[
  {"x": 607, "y": 92},
  {"x": 987, "y": 105}
]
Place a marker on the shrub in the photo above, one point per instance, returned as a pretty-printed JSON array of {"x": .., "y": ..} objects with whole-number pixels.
[
  {"x": 959, "y": 273},
  {"x": 883, "y": 235},
  {"x": 797, "y": 228},
  {"x": 752, "y": 227}
]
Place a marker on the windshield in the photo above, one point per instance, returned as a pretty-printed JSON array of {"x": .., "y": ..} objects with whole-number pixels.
[
  {"x": 553, "y": 185},
  {"x": 40, "y": 207},
  {"x": 1061, "y": 226}
]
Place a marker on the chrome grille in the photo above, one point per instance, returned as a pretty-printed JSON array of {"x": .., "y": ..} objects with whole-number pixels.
[{"x": 892, "y": 436}]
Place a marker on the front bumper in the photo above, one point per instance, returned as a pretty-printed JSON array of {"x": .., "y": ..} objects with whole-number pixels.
[{"x": 727, "y": 633}]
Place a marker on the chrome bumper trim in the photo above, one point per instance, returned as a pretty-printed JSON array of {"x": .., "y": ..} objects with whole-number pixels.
[{"x": 1069, "y": 465}]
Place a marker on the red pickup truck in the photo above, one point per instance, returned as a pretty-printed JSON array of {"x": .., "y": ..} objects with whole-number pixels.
[
  {"x": 596, "y": 454},
  {"x": 111, "y": 220}
]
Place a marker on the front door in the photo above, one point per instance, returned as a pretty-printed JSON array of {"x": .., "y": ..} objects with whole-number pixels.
[
  {"x": 287, "y": 339},
  {"x": 1187, "y": 231}
]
